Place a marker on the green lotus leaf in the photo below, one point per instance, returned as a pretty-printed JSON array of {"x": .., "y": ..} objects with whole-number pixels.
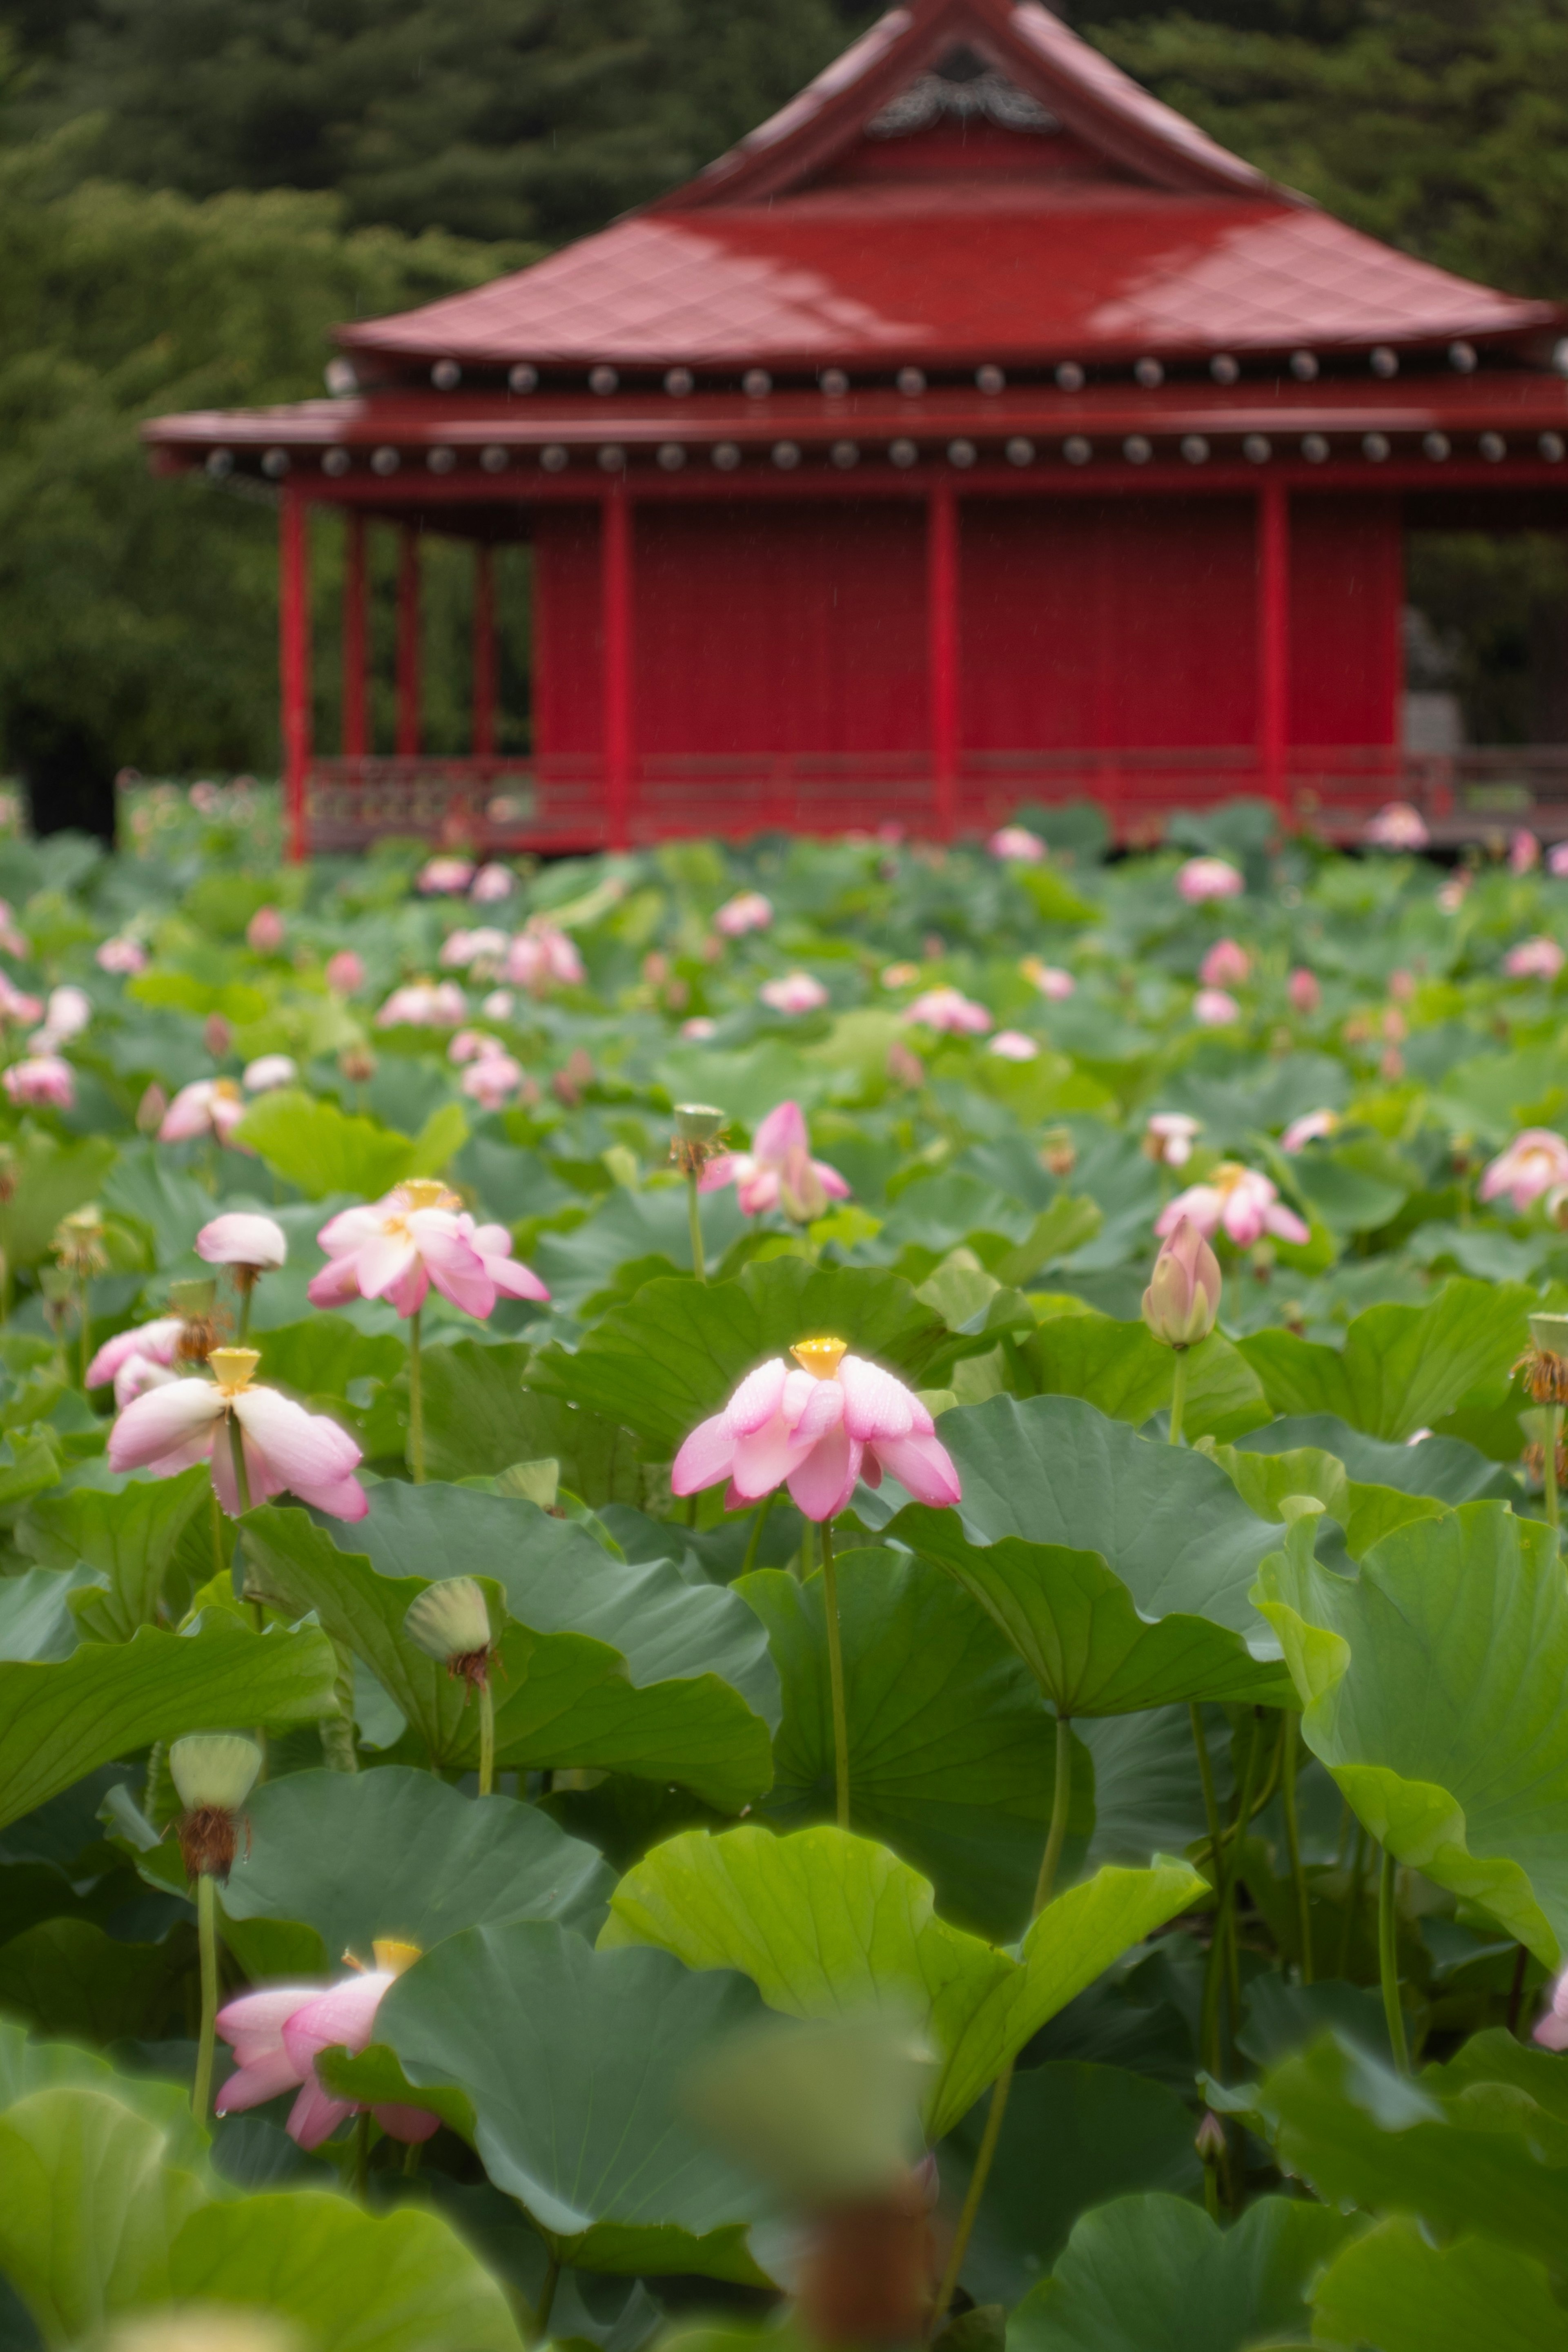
[
  {"x": 1155, "y": 2274},
  {"x": 826, "y": 1923},
  {"x": 1434, "y": 1689},
  {"x": 574, "y": 2062},
  {"x": 322, "y": 1150},
  {"x": 952, "y": 1749},
  {"x": 1443, "y": 1467},
  {"x": 562, "y": 1699},
  {"x": 1395, "y": 2289},
  {"x": 129, "y": 1538},
  {"x": 393, "y": 1852},
  {"x": 60, "y": 1722},
  {"x": 27, "y": 2065},
  {"x": 671, "y": 1356},
  {"x": 1401, "y": 1368},
  {"x": 1121, "y": 1368}
]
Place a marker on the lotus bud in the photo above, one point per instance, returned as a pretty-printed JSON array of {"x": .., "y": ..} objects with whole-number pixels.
[
  {"x": 450, "y": 1622},
  {"x": 216, "y": 1035},
  {"x": 699, "y": 1128},
  {"x": 1182, "y": 1301},
  {"x": 214, "y": 1773},
  {"x": 150, "y": 1111},
  {"x": 1210, "y": 2139},
  {"x": 1057, "y": 1152}
]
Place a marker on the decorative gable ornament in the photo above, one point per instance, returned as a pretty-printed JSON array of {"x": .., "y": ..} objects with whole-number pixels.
[{"x": 952, "y": 95}]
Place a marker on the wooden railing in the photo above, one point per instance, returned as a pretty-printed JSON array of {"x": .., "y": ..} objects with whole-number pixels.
[{"x": 560, "y": 804}]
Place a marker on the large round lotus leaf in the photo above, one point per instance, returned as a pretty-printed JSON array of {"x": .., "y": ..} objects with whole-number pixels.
[
  {"x": 1435, "y": 1686},
  {"x": 1443, "y": 1468},
  {"x": 1154, "y": 2273},
  {"x": 358, "y": 1855},
  {"x": 574, "y": 2063}
]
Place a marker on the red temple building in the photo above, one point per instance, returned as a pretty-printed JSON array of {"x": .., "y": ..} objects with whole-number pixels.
[{"x": 977, "y": 431}]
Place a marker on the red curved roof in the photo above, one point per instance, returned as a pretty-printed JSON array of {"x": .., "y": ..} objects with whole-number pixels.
[{"x": 1107, "y": 227}]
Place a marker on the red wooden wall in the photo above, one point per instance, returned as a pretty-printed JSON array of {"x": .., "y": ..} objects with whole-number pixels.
[{"x": 1084, "y": 624}]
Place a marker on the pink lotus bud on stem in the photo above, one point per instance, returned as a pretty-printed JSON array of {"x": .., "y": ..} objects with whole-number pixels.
[{"x": 1182, "y": 1301}]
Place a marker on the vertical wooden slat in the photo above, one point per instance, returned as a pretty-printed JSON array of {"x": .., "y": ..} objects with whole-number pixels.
[
  {"x": 942, "y": 590},
  {"x": 1274, "y": 638},
  {"x": 484, "y": 719},
  {"x": 294, "y": 662},
  {"x": 356, "y": 640},
  {"x": 409, "y": 680},
  {"x": 615, "y": 560}
]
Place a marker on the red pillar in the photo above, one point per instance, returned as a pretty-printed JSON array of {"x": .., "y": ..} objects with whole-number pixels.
[
  {"x": 1274, "y": 638},
  {"x": 408, "y": 643},
  {"x": 293, "y": 660},
  {"x": 615, "y": 527},
  {"x": 356, "y": 640},
  {"x": 483, "y": 730},
  {"x": 942, "y": 616}
]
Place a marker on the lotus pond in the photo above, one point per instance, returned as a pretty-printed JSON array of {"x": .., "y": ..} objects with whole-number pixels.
[{"x": 655, "y": 1690}]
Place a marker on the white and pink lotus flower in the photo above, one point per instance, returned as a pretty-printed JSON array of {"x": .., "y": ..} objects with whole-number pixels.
[
  {"x": 419, "y": 1234},
  {"x": 1203, "y": 878},
  {"x": 949, "y": 1012},
  {"x": 817, "y": 1427},
  {"x": 139, "y": 1359},
  {"x": 207, "y": 1108},
  {"x": 1533, "y": 1163},
  {"x": 748, "y": 911},
  {"x": 1241, "y": 1202},
  {"x": 1397, "y": 825},
  {"x": 1016, "y": 844},
  {"x": 1538, "y": 958},
  {"x": 278, "y": 2033},
  {"x": 423, "y": 1004},
  {"x": 542, "y": 957},
  {"x": 778, "y": 1170},
  {"x": 41, "y": 1082},
  {"x": 1053, "y": 983},
  {"x": 170, "y": 1427},
  {"x": 793, "y": 992}
]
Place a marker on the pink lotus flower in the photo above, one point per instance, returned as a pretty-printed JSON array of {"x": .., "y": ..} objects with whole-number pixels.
[
  {"x": 472, "y": 1046},
  {"x": 1533, "y": 1163},
  {"x": 242, "y": 1237},
  {"x": 1304, "y": 991},
  {"x": 1213, "y": 1009},
  {"x": 949, "y": 1011},
  {"x": 492, "y": 884},
  {"x": 541, "y": 956},
  {"x": 42, "y": 1082},
  {"x": 423, "y": 1004},
  {"x": 1552, "y": 2031},
  {"x": 278, "y": 2033},
  {"x": 1013, "y": 1046},
  {"x": 699, "y": 1029},
  {"x": 12, "y": 942},
  {"x": 345, "y": 973},
  {"x": 778, "y": 1172},
  {"x": 1053, "y": 982},
  {"x": 396, "y": 1248},
  {"x": 1202, "y": 878},
  {"x": 1397, "y": 826},
  {"x": 123, "y": 957},
  {"x": 487, "y": 947},
  {"x": 1241, "y": 1202},
  {"x": 1169, "y": 1137},
  {"x": 1182, "y": 1302},
  {"x": 1539, "y": 959},
  {"x": 900, "y": 975},
  {"x": 1557, "y": 859},
  {"x": 206, "y": 1106},
  {"x": 817, "y": 1431},
  {"x": 1227, "y": 965},
  {"x": 493, "y": 1081},
  {"x": 1313, "y": 1127},
  {"x": 263, "y": 933},
  {"x": 1524, "y": 851},
  {"x": 1453, "y": 893},
  {"x": 498, "y": 1005},
  {"x": 444, "y": 876},
  {"x": 269, "y": 1072},
  {"x": 1016, "y": 842},
  {"x": 131, "y": 1354},
  {"x": 286, "y": 1449},
  {"x": 16, "y": 1005},
  {"x": 748, "y": 911},
  {"x": 794, "y": 991},
  {"x": 65, "y": 1016}
]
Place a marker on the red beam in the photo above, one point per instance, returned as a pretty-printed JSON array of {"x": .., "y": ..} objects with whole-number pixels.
[
  {"x": 482, "y": 729},
  {"x": 615, "y": 559},
  {"x": 293, "y": 660},
  {"x": 1274, "y": 636},
  {"x": 408, "y": 643},
  {"x": 356, "y": 640},
  {"x": 942, "y": 590}
]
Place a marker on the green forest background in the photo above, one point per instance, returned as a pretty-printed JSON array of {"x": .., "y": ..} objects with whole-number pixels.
[{"x": 193, "y": 191}]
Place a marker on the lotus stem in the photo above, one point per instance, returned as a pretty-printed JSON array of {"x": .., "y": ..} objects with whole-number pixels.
[
  {"x": 236, "y": 1452},
  {"x": 1516, "y": 1989},
  {"x": 1353, "y": 1897},
  {"x": 1056, "y": 1838},
  {"x": 1206, "y": 1774},
  {"x": 699, "y": 1263},
  {"x": 415, "y": 1403},
  {"x": 1178, "y": 1395},
  {"x": 487, "y": 1738},
  {"x": 546, "y": 2299},
  {"x": 1224, "y": 1888},
  {"x": 1293, "y": 1840},
  {"x": 758, "y": 1521},
  {"x": 361, "y": 2151},
  {"x": 1389, "y": 1962},
  {"x": 339, "y": 1752},
  {"x": 1553, "y": 1426},
  {"x": 207, "y": 1942},
  {"x": 85, "y": 1336},
  {"x": 836, "y": 1680},
  {"x": 246, "y": 1290}
]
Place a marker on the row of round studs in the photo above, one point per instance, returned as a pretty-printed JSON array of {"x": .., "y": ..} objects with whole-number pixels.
[
  {"x": 757, "y": 384},
  {"x": 726, "y": 456}
]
